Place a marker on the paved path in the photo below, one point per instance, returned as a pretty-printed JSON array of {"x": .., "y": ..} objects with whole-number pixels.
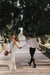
[{"x": 22, "y": 58}]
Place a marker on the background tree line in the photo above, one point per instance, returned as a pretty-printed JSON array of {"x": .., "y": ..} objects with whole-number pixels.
[{"x": 32, "y": 15}]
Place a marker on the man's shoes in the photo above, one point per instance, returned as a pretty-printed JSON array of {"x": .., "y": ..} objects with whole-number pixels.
[
  {"x": 29, "y": 64},
  {"x": 34, "y": 66}
]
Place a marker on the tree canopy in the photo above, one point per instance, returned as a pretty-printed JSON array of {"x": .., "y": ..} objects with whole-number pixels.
[{"x": 32, "y": 15}]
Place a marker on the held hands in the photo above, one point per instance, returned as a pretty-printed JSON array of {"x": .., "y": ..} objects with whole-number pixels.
[
  {"x": 10, "y": 51},
  {"x": 20, "y": 47}
]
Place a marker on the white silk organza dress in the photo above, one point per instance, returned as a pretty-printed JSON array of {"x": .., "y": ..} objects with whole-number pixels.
[{"x": 12, "y": 55}]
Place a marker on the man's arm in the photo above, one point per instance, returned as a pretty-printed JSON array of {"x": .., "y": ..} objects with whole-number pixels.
[{"x": 26, "y": 45}]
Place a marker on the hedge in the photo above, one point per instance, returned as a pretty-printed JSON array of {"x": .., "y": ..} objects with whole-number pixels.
[{"x": 44, "y": 48}]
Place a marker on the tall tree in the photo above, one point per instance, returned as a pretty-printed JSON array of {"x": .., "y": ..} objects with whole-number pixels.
[{"x": 32, "y": 15}]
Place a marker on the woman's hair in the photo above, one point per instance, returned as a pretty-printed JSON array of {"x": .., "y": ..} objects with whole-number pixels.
[
  {"x": 12, "y": 35},
  {"x": 16, "y": 38}
]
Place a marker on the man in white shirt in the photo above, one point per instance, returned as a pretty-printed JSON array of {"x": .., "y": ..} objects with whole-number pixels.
[{"x": 32, "y": 47}]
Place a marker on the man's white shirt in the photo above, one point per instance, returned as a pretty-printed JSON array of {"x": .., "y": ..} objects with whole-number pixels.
[{"x": 32, "y": 43}]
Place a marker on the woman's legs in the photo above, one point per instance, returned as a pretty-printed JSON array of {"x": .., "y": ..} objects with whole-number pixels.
[
  {"x": 12, "y": 62},
  {"x": 14, "y": 66}
]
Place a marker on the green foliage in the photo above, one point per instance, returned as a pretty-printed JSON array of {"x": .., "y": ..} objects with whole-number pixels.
[
  {"x": 48, "y": 51},
  {"x": 44, "y": 48},
  {"x": 35, "y": 16}
]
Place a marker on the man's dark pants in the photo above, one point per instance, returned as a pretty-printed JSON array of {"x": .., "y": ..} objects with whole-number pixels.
[{"x": 32, "y": 52}]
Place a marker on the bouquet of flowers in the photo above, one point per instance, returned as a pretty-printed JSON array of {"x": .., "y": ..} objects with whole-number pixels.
[{"x": 6, "y": 53}]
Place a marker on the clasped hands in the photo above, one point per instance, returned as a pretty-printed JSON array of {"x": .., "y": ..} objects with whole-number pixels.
[{"x": 20, "y": 47}]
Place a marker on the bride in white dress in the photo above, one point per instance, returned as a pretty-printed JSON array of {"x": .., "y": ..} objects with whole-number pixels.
[{"x": 13, "y": 48}]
